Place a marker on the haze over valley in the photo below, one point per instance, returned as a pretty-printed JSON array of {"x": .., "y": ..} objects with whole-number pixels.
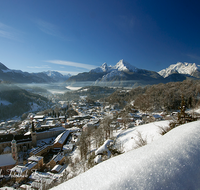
[{"x": 99, "y": 95}]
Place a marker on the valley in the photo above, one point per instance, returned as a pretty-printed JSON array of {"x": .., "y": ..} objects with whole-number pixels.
[{"x": 53, "y": 132}]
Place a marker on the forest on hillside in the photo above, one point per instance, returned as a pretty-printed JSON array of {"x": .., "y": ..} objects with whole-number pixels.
[
  {"x": 160, "y": 97},
  {"x": 20, "y": 101}
]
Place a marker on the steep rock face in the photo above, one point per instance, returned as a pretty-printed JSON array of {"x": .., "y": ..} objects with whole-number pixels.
[{"x": 182, "y": 68}]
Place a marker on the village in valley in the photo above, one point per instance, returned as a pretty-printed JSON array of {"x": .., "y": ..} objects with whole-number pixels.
[{"x": 49, "y": 147}]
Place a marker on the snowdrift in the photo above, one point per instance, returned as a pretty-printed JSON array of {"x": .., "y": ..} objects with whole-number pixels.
[{"x": 170, "y": 162}]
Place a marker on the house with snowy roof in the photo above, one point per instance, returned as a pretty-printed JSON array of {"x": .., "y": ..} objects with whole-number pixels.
[
  {"x": 18, "y": 173},
  {"x": 61, "y": 139},
  {"x": 57, "y": 159},
  {"x": 57, "y": 168},
  {"x": 21, "y": 172},
  {"x": 38, "y": 160},
  {"x": 92, "y": 124},
  {"x": 6, "y": 163},
  {"x": 68, "y": 148},
  {"x": 40, "y": 150}
]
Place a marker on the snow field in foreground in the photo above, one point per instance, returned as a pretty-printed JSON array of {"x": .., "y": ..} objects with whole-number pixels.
[{"x": 170, "y": 162}]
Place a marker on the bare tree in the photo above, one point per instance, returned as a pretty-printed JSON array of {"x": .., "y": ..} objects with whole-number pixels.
[{"x": 106, "y": 126}]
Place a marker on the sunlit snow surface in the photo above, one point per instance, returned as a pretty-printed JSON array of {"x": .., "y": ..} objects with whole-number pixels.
[{"x": 169, "y": 162}]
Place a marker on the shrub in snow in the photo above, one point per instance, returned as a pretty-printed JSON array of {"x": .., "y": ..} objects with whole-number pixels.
[
  {"x": 170, "y": 162},
  {"x": 102, "y": 150},
  {"x": 97, "y": 159},
  {"x": 164, "y": 130},
  {"x": 139, "y": 140}
]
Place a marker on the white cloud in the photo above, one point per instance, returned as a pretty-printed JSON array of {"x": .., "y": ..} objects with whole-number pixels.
[
  {"x": 51, "y": 29},
  {"x": 72, "y": 64},
  {"x": 47, "y": 27},
  {"x": 193, "y": 56},
  {"x": 8, "y": 32}
]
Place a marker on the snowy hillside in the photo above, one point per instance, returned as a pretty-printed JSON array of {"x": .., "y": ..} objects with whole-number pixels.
[
  {"x": 169, "y": 162},
  {"x": 111, "y": 75},
  {"x": 182, "y": 68}
]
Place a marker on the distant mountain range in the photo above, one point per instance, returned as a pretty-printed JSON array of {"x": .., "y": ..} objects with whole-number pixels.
[
  {"x": 122, "y": 74},
  {"x": 125, "y": 74},
  {"x": 18, "y": 76},
  {"x": 188, "y": 69}
]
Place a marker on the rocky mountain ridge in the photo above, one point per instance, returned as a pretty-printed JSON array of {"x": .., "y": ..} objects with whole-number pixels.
[{"x": 185, "y": 68}]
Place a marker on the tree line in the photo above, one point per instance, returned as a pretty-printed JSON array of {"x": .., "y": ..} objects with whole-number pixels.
[{"x": 161, "y": 96}]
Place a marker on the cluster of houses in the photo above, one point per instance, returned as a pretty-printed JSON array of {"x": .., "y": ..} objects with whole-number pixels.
[{"x": 48, "y": 140}]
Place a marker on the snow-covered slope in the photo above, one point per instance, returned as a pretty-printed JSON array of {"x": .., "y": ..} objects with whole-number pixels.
[
  {"x": 109, "y": 76},
  {"x": 170, "y": 162},
  {"x": 182, "y": 68}
]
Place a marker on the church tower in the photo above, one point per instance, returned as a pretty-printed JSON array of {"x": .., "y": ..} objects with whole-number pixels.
[
  {"x": 14, "y": 149},
  {"x": 33, "y": 135}
]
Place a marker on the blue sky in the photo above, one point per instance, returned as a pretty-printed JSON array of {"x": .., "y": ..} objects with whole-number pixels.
[{"x": 73, "y": 36}]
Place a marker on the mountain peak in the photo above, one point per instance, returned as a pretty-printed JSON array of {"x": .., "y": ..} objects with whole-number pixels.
[
  {"x": 3, "y": 67},
  {"x": 179, "y": 67},
  {"x": 125, "y": 66},
  {"x": 102, "y": 69}
]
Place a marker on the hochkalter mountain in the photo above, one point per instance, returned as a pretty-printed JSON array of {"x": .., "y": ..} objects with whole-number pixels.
[{"x": 181, "y": 68}]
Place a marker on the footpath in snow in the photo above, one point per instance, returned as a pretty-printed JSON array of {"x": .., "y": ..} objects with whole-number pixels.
[{"x": 169, "y": 162}]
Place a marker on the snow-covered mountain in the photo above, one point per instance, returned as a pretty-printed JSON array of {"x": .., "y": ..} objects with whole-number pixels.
[
  {"x": 102, "y": 69},
  {"x": 125, "y": 67},
  {"x": 181, "y": 68},
  {"x": 120, "y": 66},
  {"x": 18, "y": 76},
  {"x": 122, "y": 71},
  {"x": 57, "y": 76}
]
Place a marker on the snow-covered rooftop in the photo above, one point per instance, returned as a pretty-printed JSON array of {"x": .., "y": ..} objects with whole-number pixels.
[
  {"x": 35, "y": 158},
  {"x": 62, "y": 137},
  {"x": 57, "y": 168},
  {"x": 6, "y": 160},
  {"x": 19, "y": 169},
  {"x": 58, "y": 157}
]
